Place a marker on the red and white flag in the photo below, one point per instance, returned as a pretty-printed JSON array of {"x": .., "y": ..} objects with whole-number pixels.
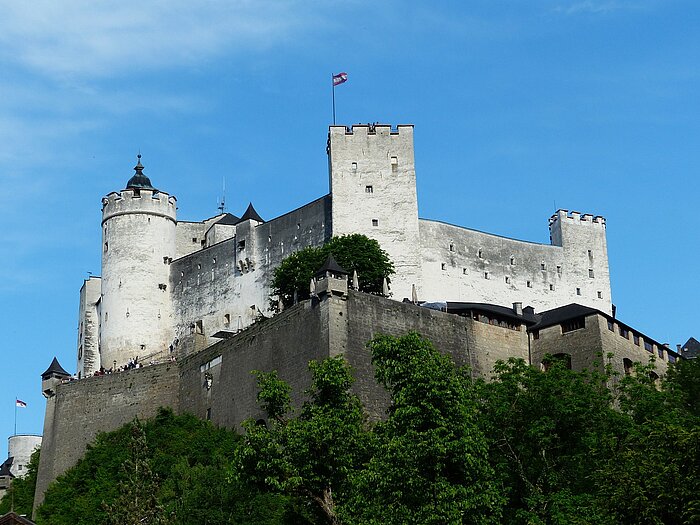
[
  {"x": 20, "y": 403},
  {"x": 340, "y": 78}
]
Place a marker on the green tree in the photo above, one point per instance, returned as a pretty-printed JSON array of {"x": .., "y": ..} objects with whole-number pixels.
[
  {"x": 309, "y": 456},
  {"x": 430, "y": 464},
  {"x": 137, "y": 502},
  {"x": 189, "y": 461},
  {"x": 653, "y": 476},
  {"x": 354, "y": 252},
  {"x": 548, "y": 432},
  {"x": 20, "y": 496}
]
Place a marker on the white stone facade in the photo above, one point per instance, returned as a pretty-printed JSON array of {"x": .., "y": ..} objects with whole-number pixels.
[
  {"x": 167, "y": 287},
  {"x": 20, "y": 447}
]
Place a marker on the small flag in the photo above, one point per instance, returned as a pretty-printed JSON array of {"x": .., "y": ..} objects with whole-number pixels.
[
  {"x": 20, "y": 403},
  {"x": 340, "y": 78}
]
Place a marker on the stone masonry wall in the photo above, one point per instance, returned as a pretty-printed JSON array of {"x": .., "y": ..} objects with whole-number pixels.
[{"x": 82, "y": 409}]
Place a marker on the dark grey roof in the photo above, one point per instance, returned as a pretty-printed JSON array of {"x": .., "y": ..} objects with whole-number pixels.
[
  {"x": 139, "y": 181},
  {"x": 12, "y": 518},
  {"x": 691, "y": 348},
  {"x": 228, "y": 220},
  {"x": 331, "y": 266},
  {"x": 55, "y": 369},
  {"x": 502, "y": 311},
  {"x": 563, "y": 313},
  {"x": 250, "y": 213},
  {"x": 5, "y": 467}
]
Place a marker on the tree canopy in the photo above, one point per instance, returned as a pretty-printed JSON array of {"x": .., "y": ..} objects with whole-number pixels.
[{"x": 354, "y": 252}]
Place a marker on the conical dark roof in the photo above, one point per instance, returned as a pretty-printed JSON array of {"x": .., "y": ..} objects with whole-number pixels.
[
  {"x": 250, "y": 213},
  {"x": 331, "y": 266},
  {"x": 139, "y": 181},
  {"x": 5, "y": 467},
  {"x": 55, "y": 369}
]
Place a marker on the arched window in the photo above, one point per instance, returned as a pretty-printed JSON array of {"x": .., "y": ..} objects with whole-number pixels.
[{"x": 628, "y": 365}]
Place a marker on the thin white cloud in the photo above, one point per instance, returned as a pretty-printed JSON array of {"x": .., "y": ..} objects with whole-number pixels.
[
  {"x": 98, "y": 39},
  {"x": 599, "y": 7}
]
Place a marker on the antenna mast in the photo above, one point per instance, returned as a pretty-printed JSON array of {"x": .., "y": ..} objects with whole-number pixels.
[{"x": 222, "y": 204}]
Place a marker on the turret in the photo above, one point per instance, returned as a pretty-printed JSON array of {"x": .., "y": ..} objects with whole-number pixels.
[
  {"x": 54, "y": 375},
  {"x": 138, "y": 243},
  {"x": 331, "y": 279}
]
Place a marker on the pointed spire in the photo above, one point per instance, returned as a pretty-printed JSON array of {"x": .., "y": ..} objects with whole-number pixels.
[
  {"x": 332, "y": 267},
  {"x": 56, "y": 369},
  {"x": 139, "y": 181},
  {"x": 250, "y": 213}
]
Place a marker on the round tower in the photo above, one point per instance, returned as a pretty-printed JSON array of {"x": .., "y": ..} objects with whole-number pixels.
[
  {"x": 20, "y": 447},
  {"x": 138, "y": 244}
]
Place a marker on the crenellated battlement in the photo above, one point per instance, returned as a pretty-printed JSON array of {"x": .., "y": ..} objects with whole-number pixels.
[
  {"x": 144, "y": 201},
  {"x": 373, "y": 129},
  {"x": 576, "y": 217}
]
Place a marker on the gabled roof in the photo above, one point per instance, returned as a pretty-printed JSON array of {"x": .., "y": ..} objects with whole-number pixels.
[
  {"x": 55, "y": 369},
  {"x": 12, "y": 518},
  {"x": 691, "y": 348},
  {"x": 250, "y": 213},
  {"x": 564, "y": 313},
  {"x": 228, "y": 220},
  {"x": 331, "y": 266}
]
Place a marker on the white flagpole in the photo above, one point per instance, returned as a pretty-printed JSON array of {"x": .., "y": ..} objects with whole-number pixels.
[{"x": 333, "y": 89}]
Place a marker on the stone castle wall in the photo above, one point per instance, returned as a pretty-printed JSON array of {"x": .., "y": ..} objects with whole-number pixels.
[{"x": 82, "y": 409}]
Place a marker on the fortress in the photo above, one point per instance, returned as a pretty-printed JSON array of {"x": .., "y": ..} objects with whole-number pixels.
[
  {"x": 193, "y": 298},
  {"x": 165, "y": 282}
]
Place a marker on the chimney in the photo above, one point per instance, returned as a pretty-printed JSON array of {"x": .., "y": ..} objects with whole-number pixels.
[
  {"x": 678, "y": 348},
  {"x": 518, "y": 308}
]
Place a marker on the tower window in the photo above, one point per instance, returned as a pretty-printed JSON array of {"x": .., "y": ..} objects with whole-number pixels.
[
  {"x": 375, "y": 222},
  {"x": 543, "y": 266},
  {"x": 486, "y": 275},
  {"x": 194, "y": 240},
  {"x": 578, "y": 291},
  {"x": 199, "y": 327},
  {"x": 464, "y": 271},
  {"x": 452, "y": 247},
  {"x": 559, "y": 270},
  {"x": 480, "y": 254},
  {"x": 369, "y": 189},
  {"x": 106, "y": 247},
  {"x": 590, "y": 272},
  {"x": 600, "y": 295},
  {"x": 512, "y": 260},
  {"x": 551, "y": 287},
  {"x": 529, "y": 284},
  {"x": 227, "y": 319},
  {"x": 354, "y": 166},
  {"x": 443, "y": 266},
  {"x": 507, "y": 280},
  {"x": 394, "y": 163}
]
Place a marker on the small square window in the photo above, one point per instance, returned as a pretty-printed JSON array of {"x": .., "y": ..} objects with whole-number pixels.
[
  {"x": 369, "y": 189},
  {"x": 480, "y": 254},
  {"x": 529, "y": 284},
  {"x": 578, "y": 291},
  {"x": 194, "y": 239},
  {"x": 512, "y": 260},
  {"x": 464, "y": 271},
  {"x": 551, "y": 287},
  {"x": 507, "y": 280},
  {"x": 600, "y": 295},
  {"x": 559, "y": 270},
  {"x": 394, "y": 162},
  {"x": 354, "y": 166},
  {"x": 486, "y": 275},
  {"x": 375, "y": 222},
  {"x": 590, "y": 272},
  {"x": 443, "y": 266},
  {"x": 543, "y": 266},
  {"x": 590, "y": 253},
  {"x": 635, "y": 338},
  {"x": 452, "y": 247}
]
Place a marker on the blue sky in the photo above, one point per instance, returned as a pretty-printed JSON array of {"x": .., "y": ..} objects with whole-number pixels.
[{"x": 591, "y": 105}]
